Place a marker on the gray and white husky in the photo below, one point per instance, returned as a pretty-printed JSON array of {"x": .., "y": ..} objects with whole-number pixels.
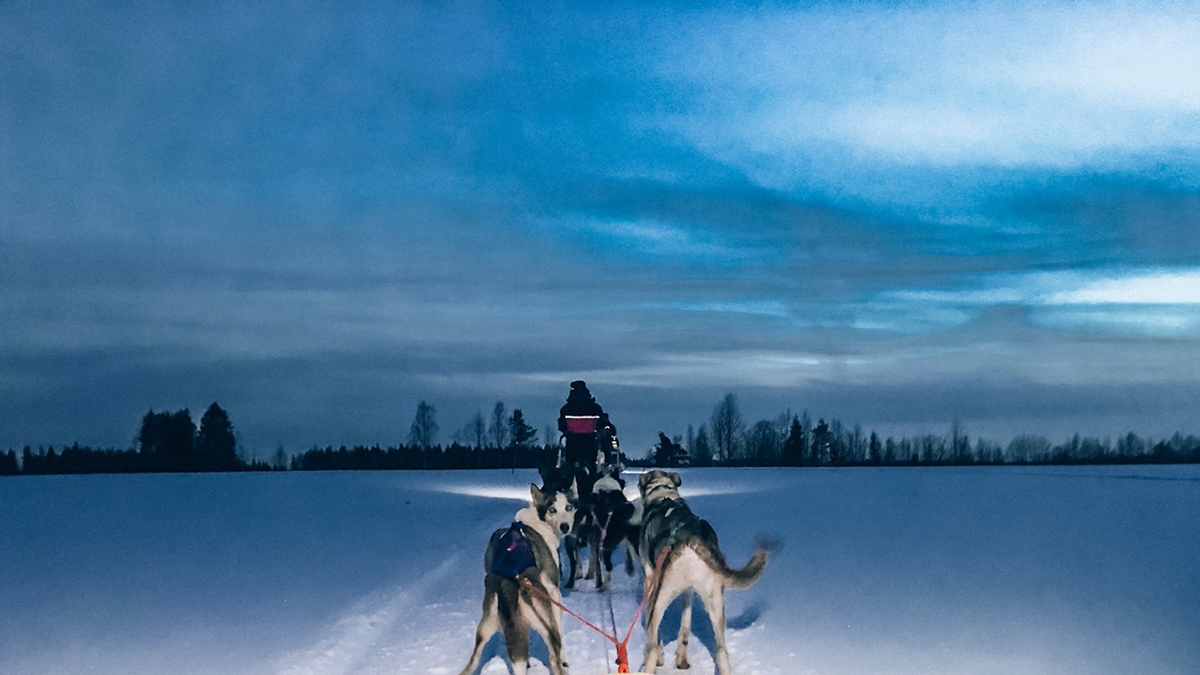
[
  {"x": 526, "y": 553},
  {"x": 691, "y": 560}
]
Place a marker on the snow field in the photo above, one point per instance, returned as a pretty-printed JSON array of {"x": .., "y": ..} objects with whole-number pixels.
[{"x": 1005, "y": 570}]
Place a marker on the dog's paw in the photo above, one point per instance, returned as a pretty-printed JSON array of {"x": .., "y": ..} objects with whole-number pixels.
[{"x": 682, "y": 663}]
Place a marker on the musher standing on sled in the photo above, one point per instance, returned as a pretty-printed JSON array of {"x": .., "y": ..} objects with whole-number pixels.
[{"x": 584, "y": 424}]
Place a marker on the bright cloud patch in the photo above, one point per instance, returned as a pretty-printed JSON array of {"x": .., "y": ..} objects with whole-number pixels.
[
  {"x": 1174, "y": 288},
  {"x": 946, "y": 85},
  {"x": 1153, "y": 302}
]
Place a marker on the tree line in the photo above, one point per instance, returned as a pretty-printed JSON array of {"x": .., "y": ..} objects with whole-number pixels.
[
  {"x": 171, "y": 441},
  {"x": 165, "y": 442},
  {"x": 503, "y": 440},
  {"x": 725, "y": 439}
]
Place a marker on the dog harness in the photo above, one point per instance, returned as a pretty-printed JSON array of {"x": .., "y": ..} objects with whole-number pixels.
[{"x": 514, "y": 552}]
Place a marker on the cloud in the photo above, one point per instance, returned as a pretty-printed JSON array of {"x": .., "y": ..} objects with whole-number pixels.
[
  {"x": 799, "y": 105},
  {"x": 1176, "y": 287},
  {"x": 1135, "y": 219},
  {"x": 756, "y": 308},
  {"x": 1148, "y": 301},
  {"x": 355, "y": 208},
  {"x": 648, "y": 241}
]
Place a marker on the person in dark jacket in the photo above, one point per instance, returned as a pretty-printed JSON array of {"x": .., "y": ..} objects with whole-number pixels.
[{"x": 581, "y": 421}]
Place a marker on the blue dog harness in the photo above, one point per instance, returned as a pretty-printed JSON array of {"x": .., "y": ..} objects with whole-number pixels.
[{"x": 514, "y": 553}]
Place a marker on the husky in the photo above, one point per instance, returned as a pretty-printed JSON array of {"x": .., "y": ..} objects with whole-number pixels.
[
  {"x": 615, "y": 525},
  {"x": 690, "y": 560},
  {"x": 604, "y": 520},
  {"x": 526, "y": 553},
  {"x": 584, "y": 528}
]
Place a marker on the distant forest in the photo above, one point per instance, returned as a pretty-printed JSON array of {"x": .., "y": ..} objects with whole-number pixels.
[{"x": 171, "y": 442}]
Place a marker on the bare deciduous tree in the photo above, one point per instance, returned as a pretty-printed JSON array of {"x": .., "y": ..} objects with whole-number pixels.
[
  {"x": 498, "y": 431},
  {"x": 727, "y": 426},
  {"x": 424, "y": 429},
  {"x": 477, "y": 430}
]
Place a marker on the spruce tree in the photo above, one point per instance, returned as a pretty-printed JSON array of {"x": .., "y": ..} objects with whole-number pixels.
[
  {"x": 521, "y": 433},
  {"x": 216, "y": 447},
  {"x": 793, "y": 447}
]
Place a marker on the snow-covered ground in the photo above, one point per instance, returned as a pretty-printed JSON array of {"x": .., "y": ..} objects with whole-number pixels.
[{"x": 1011, "y": 571}]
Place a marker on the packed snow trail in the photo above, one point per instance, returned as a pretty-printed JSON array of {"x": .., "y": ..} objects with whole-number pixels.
[
  {"x": 352, "y": 639},
  {"x": 425, "y": 623}
]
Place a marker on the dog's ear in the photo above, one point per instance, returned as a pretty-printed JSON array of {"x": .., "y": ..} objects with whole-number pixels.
[
  {"x": 536, "y": 494},
  {"x": 675, "y": 478},
  {"x": 644, "y": 480}
]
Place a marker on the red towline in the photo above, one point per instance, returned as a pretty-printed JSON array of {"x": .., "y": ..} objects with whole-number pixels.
[{"x": 622, "y": 645}]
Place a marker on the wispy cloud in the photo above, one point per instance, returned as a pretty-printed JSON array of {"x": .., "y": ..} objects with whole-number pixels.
[
  {"x": 1178, "y": 287},
  {"x": 753, "y": 307},
  {"x": 1151, "y": 301},
  {"x": 646, "y": 240},
  {"x": 945, "y": 86}
]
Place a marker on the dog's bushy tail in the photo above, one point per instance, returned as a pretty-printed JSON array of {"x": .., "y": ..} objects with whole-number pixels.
[{"x": 748, "y": 575}]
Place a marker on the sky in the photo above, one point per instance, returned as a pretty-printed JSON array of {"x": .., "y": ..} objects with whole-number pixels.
[{"x": 320, "y": 214}]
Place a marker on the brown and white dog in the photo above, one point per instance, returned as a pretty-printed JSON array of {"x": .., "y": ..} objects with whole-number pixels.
[
  {"x": 526, "y": 554},
  {"x": 691, "y": 560}
]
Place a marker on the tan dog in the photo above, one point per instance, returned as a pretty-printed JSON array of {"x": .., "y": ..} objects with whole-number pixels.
[
  {"x": 526, "y": 554},
  {"x": 691, "y": 560}
]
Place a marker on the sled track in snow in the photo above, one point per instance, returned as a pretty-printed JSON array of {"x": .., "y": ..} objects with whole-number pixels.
[{"x": 349, "y": 642}]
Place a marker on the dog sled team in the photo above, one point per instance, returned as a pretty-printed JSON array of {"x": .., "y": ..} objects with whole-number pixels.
[{"x": 581, "y": 503}]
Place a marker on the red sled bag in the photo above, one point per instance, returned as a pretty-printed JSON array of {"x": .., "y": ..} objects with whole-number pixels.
[{"x": 582, "y": 424}]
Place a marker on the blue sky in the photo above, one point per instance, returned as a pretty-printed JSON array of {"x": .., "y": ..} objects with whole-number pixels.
[{"x": 318, "y": 214}]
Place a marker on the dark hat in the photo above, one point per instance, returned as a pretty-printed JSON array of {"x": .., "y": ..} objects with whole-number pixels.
[{"x": 579, "y": 384}]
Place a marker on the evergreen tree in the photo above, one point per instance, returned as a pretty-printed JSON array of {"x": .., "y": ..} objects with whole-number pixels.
[
  {"x": 150, "y": 434},
  {"x": 167, "y": 441},
  {"x": 8, "y": 463},
  {"x": 793, "y": 445},
  {"x": 521, "y": 433},
  {"x": 216, "y": 447},
  {"x": 822, "y": 444}
]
